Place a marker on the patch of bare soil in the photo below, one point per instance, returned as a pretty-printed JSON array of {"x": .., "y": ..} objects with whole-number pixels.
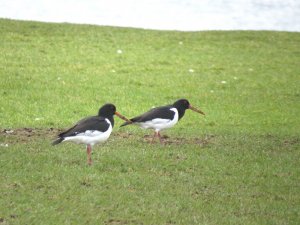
[
  {"x": 291, "y": 141},
  {"x": 26, "y": 134},
  {"x": 119, "y": 222},
  {"x": 166, "y": 139},
  {"x": 122, "y": 134},
  {"x": 180, "y": 140}
]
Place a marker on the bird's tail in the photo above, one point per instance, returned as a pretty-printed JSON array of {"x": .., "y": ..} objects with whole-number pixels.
[
  {"x": 57, "y": 141},
  {"x": 126, "y": 123}
]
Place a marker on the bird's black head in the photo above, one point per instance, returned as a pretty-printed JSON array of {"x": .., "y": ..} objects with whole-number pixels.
[
  {"x": 107, "y": 110},
  {"x": 182, "y": 104}
]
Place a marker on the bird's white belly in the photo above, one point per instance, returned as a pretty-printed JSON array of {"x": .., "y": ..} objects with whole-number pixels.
[
  {"x": 90, "y": 137},
  {"x": 160, "y": 124}
]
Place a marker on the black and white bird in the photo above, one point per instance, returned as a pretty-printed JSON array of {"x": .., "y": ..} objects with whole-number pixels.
[
  {"x": 162, "y": 117},
  {"x": 91, "y": 130}
]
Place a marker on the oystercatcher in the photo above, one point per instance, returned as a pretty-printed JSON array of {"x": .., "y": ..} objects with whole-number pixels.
[
  {"x": 163, "y": 117},
  {"x": 91, "y": 130}
]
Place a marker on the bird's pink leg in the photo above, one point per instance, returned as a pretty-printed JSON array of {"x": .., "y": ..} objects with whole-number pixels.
[
  {"x": 160, "y": 139},
  {"x": 89, "y": 153},
  {"x": 155, "y": 133}
]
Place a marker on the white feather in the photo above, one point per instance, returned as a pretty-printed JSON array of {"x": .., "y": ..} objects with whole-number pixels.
[
  {"x": 91, "y": 137},
  {"x": 159, "y": 124}
]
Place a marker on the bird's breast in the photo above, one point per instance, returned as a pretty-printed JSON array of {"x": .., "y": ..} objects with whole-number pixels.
[{"x": 161, "y": 123}]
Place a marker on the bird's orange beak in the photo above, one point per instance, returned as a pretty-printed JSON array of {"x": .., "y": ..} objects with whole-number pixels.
[
  {"x": 196, "y": 110},
  {"x": 122, "y": 117}
]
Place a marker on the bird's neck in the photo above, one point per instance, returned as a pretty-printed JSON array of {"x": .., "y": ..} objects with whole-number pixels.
[
  {"x": 112, "y": 121},
  {"x": 181, "y": 112}
]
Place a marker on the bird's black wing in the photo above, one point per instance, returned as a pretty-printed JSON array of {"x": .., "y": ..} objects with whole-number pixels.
[
  {"x": 89, "y": 123},
  {"x": 162, "y": 112}
]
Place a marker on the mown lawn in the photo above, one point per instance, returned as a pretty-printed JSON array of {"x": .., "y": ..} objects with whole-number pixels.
[{"x": 237, "y": 165}]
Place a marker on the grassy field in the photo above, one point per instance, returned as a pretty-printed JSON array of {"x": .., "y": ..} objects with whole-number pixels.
[{"x": 240, "y": 164}]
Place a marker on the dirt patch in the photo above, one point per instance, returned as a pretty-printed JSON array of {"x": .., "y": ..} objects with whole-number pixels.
[
  {"x": 292, "y": 141},
  {"x": 167, "y": 140},
  {"x": 122, "y": 134},
  {"x": 120, "y": 222},
  {"x": 180, "y": 140},
  {"x": 26, "y": 134}
]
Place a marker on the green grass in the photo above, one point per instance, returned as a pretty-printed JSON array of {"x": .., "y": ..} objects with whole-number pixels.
[{"x": 237, "y": 165}]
